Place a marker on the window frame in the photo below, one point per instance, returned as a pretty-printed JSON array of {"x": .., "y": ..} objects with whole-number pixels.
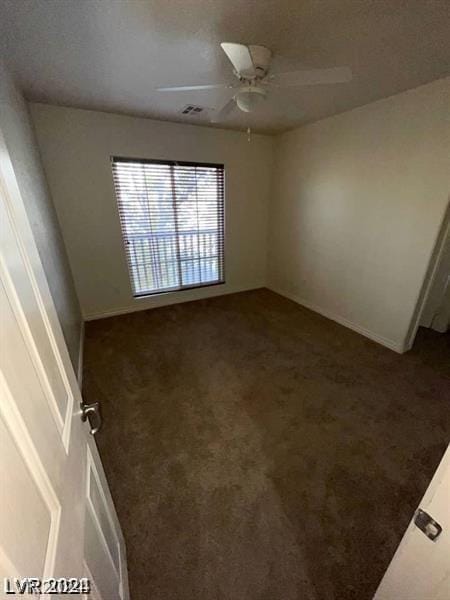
[{"x": 173, "y": 163}]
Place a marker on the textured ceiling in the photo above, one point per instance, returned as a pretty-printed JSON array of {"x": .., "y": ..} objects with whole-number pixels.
[{"x": 111, "y": 54}]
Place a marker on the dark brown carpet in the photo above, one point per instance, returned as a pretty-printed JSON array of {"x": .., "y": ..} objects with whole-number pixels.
[{"x": 258, "y": 451}]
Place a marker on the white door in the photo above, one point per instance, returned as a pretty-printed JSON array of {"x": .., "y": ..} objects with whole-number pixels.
[
  {"x": 420, "y": 569},
  {"x": 57, "y": 519}
]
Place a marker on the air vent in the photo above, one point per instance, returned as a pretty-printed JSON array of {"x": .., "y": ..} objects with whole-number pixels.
[{"x": 192, "y": 109}]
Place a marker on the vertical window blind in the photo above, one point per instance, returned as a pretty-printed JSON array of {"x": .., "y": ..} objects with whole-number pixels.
[{"x": 172, "y": 218}]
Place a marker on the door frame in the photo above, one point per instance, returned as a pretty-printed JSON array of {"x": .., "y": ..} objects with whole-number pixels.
[{"x": 430, "y": 276}]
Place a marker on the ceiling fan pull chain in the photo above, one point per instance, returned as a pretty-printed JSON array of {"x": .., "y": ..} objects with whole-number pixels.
[{"x": 249, "y": 134}]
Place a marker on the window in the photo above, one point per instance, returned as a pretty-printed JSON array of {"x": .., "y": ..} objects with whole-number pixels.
[{"x": 172, "y": 217}]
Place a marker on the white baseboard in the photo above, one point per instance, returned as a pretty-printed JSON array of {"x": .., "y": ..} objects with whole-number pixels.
[
  {"x": 172, "y": 298},
  {"x": 80, "y": 357},
  {"x": 391, "y": 344}
]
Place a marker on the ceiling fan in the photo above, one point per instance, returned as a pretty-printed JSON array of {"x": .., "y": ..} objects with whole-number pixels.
[{"x": 251, "y": 66}]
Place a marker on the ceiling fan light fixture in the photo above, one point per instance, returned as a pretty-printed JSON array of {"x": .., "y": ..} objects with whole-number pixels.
[{"x": 250, "y": 97}]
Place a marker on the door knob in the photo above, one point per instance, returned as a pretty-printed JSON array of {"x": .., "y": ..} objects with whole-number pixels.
[{"x": 88, "y": 410}]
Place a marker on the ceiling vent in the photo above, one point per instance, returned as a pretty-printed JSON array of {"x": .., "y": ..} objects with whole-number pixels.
[{"x": 192, "y": 109}]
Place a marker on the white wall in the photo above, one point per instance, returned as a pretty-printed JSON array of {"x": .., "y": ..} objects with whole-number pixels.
[
  {"x": 356, "y": 207},
  {"x": 76, "y": 146},
  {"x": 19, "y": 137}
]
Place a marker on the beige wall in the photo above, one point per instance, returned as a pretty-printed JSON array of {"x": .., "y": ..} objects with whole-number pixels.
[
  {"x": 19, "y": 137},
  {"x": 76, "y": 146},
  {"x": 356, "y": 207}
]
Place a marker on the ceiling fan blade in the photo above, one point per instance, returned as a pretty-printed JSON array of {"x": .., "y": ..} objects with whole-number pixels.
[
  {"x": 187, "y": 88},
  {"x": 240, "y": 57},
  {"x": 222, "y": 113},
  {"x": 312, "y": 77}
]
